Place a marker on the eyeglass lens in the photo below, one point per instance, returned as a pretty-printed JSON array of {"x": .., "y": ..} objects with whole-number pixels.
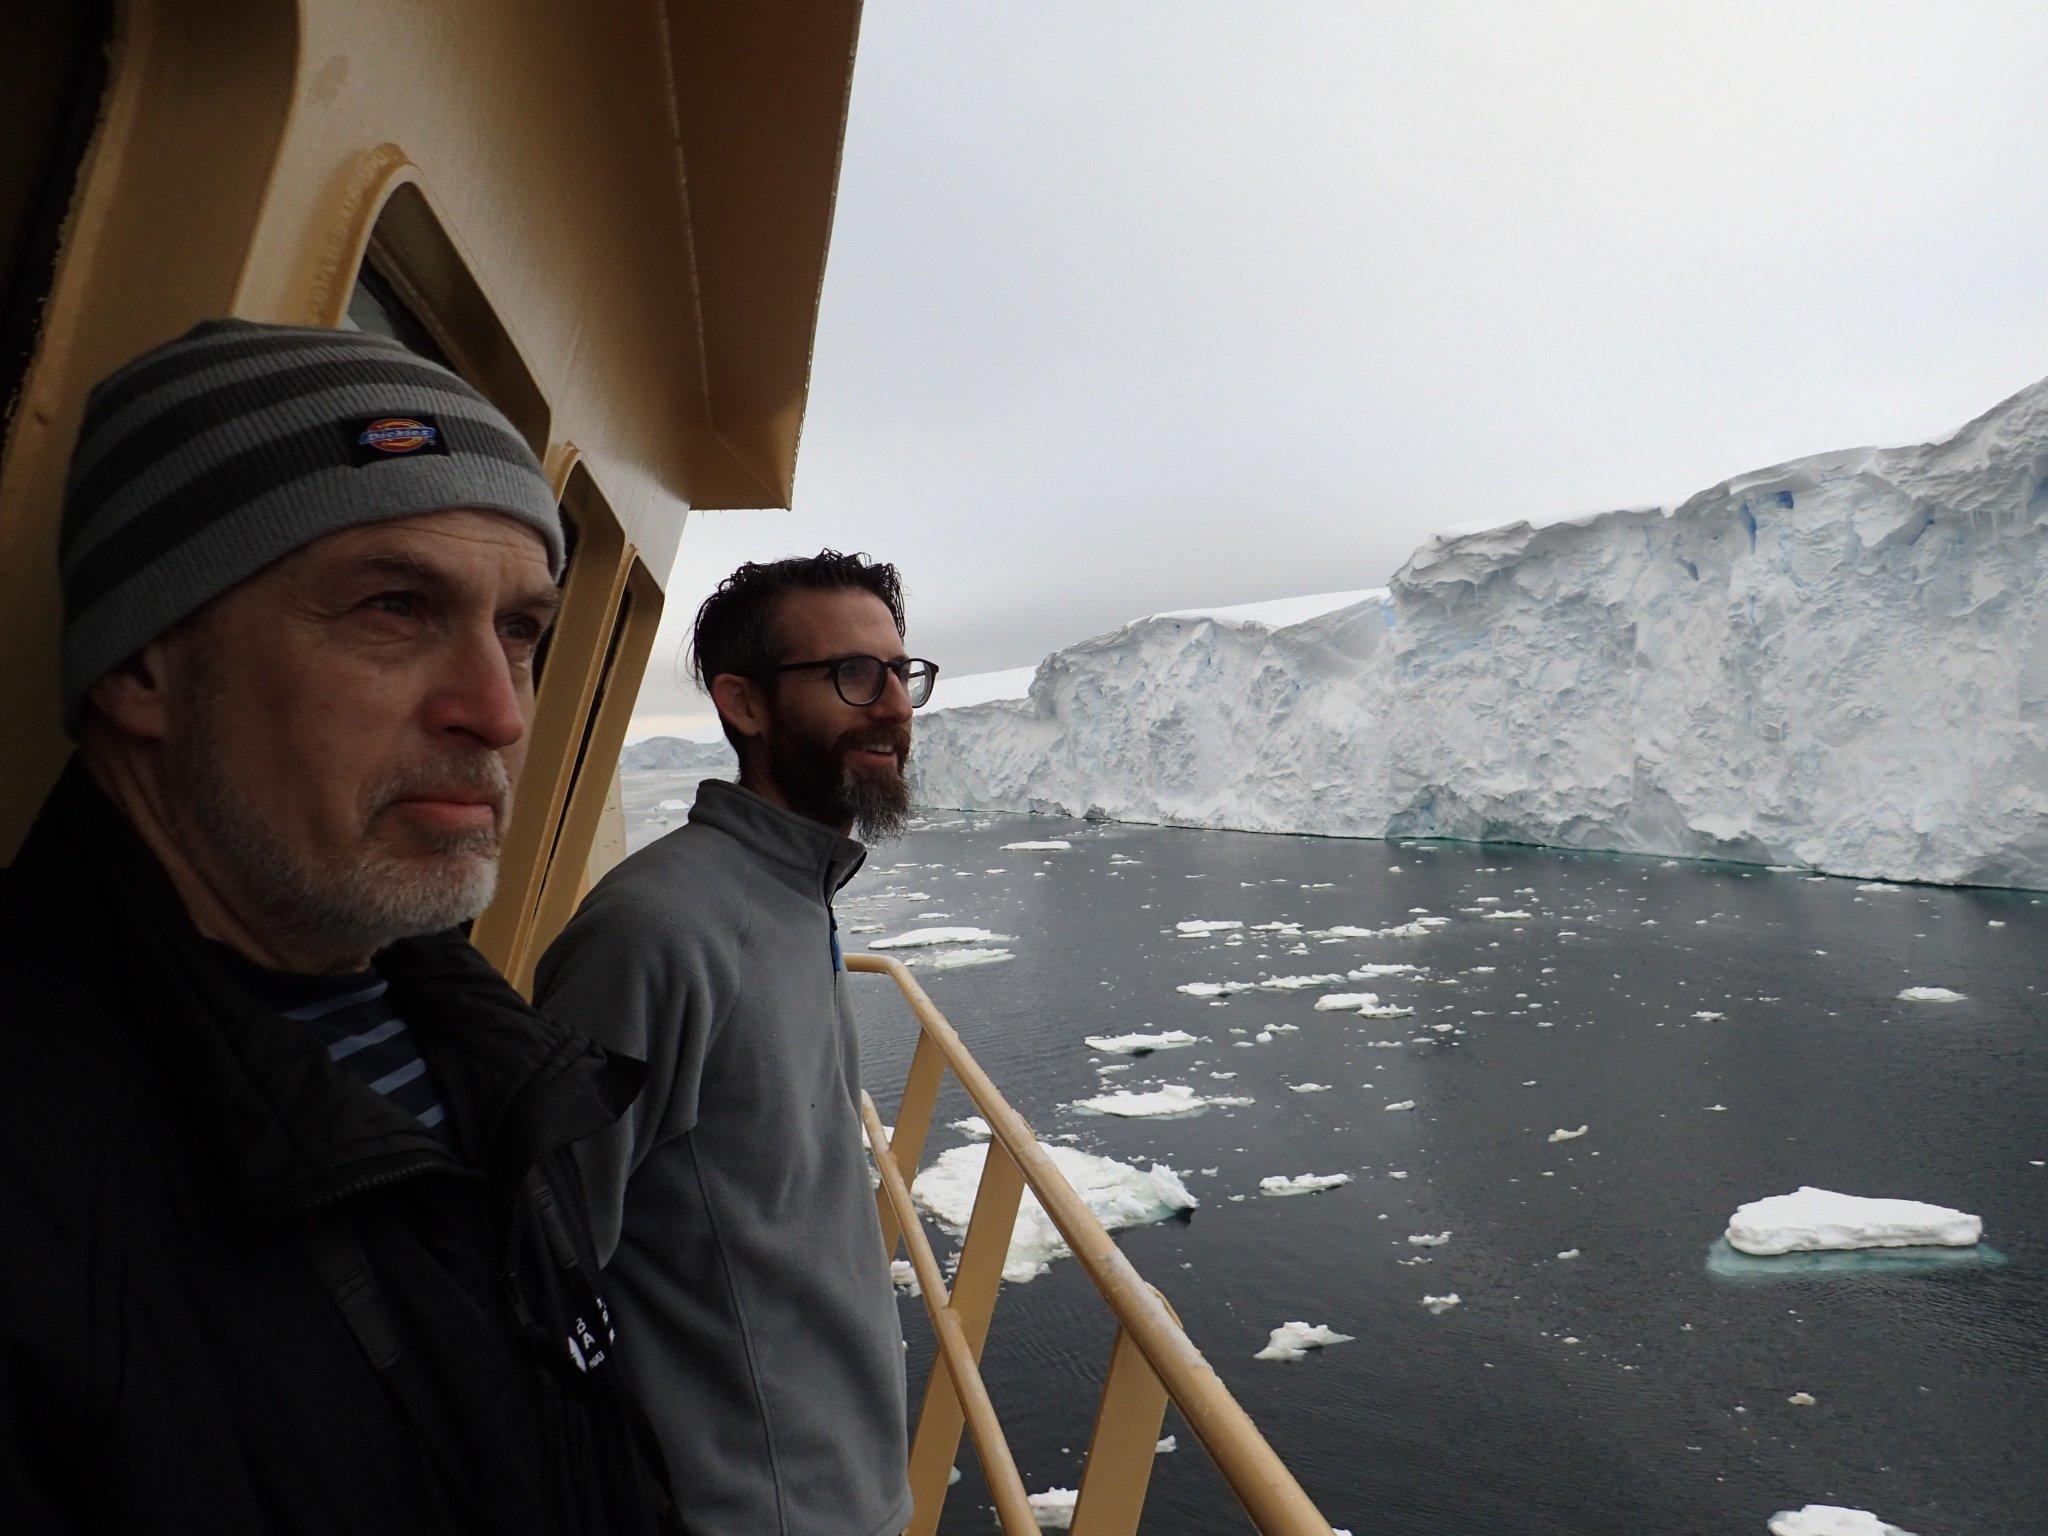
[{"x": 860, "y": 679}]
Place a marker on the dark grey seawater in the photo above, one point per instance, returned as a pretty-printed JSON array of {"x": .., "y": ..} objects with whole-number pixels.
[{"x": 1637, "y": 1390}]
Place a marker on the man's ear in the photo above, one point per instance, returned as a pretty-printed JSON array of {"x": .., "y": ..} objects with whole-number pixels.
[
  {"x": 741, "y": 704},
  {"x": 134, "y": 697}
]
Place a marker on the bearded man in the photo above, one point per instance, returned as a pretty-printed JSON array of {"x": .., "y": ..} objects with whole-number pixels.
[
  {"x": 293, "y": 1239},
  {"x": 732, "y": 1205}
]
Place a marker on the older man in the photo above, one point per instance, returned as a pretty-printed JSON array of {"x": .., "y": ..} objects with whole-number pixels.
[{"x": 291, "y": 1237}]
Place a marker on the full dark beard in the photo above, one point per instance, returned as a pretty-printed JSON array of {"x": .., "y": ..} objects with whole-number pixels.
[{"x": 817, "y": 781}]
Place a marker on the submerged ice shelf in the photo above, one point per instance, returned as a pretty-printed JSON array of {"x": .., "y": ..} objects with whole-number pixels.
[
  {"x": 1118, "y": 1194},
  {"x": 1831, "y": 663}
]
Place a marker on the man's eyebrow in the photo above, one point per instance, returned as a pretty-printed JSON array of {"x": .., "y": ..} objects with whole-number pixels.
[{"x": 543, "y": 600}]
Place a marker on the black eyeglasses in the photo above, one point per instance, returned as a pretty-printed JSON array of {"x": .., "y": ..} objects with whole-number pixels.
[{"x": 861, "y": 679}]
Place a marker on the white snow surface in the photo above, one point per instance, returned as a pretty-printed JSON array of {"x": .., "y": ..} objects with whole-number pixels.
[
  {"x": 1293, "y": 1341},
  {"x": 1119, "y": 1194},
  {"x": 1138, "y": 1044},
  {"x": 1831, "y": 1520},
  {"x": 1811, "y": 1220},
  {"x": 924, "y": 938},
  {"x": 1151, "y": 1103},
  {"x": 1302, "y": 1183},
  {"x": 1839, "y": 663}
]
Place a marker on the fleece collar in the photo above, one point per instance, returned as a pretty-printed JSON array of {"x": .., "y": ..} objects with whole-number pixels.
[{"x": 810, "y": 856}]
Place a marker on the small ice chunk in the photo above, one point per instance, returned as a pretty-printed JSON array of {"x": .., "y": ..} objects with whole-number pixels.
[
  {"x": 1139, "y": 1044},
  {"x": 954, "y": 959},
  {"x": 1876, "y": 885},
  {"x": 1402, "y": 1104},
  {"x": 1308, "y": 1087},
  {"x": 1569, "y": 1253},
  {"x": 1430, "y": 1239},
  {"x": 1213, "y": 988},
  {"x": 1802, "y": 1399},
  {"x": 973, "y": 1126},
  {"x": 923, "y": 938},
  {"x": 1196, "y": 926},
  {"x": 1438, "y": 1305},
  {"x": 1166, "y": 1443},
  {"x": 1054, "y": 1508},
  {"x": 1566, "y": 1135},
  {"x": 1831, "y": 1520},
  {"x": 1813, "y": 1220},
  {"x": 904, "y": 1278},
  {"x": 1293, "y": 1341},
  {"x": 1510, "y": 917},
  {"x": 1140, "y": 1104},
  {"x": 1930, "y": 995},
  {"x": 1365, "y": 1004},
  {"x": 1297, "y": 983},
  {"x": 1046, "y": 845},
  {"x": 1302, "y": 1183}
]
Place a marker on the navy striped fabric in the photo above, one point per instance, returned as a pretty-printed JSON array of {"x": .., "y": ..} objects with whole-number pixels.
[{"x": 354, "y": 1018}]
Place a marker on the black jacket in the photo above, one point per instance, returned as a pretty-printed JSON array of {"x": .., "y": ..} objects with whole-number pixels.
[{"x": 239, "y": 1292}]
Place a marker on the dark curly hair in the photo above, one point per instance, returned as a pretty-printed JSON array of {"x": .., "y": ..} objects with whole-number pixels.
[{"x": 735, "y": 627}]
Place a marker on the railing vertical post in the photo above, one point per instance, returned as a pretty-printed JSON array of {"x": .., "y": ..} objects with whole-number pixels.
[
  {"x": 913, "y": 1124},
  {"x": 975, "y": 1284},
  {"x": 1125, "y": 1441}
]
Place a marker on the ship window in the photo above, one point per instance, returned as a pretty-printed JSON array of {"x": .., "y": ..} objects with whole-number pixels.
[
  {"x": 375, "y": 308},
  {"x": 413, "y": 284}
]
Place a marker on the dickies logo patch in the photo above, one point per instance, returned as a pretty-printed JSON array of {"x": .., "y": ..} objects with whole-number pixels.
[{"x": 376, "y": 438}]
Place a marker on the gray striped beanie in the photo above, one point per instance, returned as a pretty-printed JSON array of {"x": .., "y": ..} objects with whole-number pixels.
[{"x": 201, "y": 462}]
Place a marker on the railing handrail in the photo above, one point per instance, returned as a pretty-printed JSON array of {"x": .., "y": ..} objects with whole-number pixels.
[{"x": 1276, "y": 1502}]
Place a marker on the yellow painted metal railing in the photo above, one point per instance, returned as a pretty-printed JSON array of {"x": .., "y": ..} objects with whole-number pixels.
[{"x": 1151, "y": 1362}]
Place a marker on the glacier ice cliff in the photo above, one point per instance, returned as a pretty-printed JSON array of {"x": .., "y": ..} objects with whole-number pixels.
[{"x": 1840, "y": 662}]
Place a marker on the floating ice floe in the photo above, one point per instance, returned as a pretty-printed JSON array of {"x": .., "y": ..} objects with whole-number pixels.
[
  {"x": 1368, "y": 972},
  {"x": 1213, "y": 988},
  {"x": 1139, "y": 1104},
  {"x": 1293, "y": 1341},
  {"x": 904, "y": 1277},
  {"x": 1138, "y": 1045},
  {"x": 1366, "y": 1005},
  {"x": 1438, "y": 1305},
  {"x": 1053, "y": 1509},
  {"x": 1166, "y": 1443},
  {"x": 1195, "y": 927},
  {"x": 1818, "y": 1220},
  {"x": 1402, "y": 1104},
  {"x": 954, "y": 959},
  {"x": 1505, "y": 917},
  {"x": 1430, "y": 1239},
  {"x": 1044, "y": 845},
  {"x": 1930, "y": 995},
  {"x": 1566, "y": 1135},
  {"x": 1118, "y": 1194},
  {"x": 1831, "y": 1520},
  {"x": 1296, "y": 983},
  {"x": 1569, "y": 1253},
  {"x": 1308, "y": 1087},
  {"x": 1707, "y": 1015},
  {"x": 973, "y": 1126},
  {"x": 1302, "y": 1183},
  {"x": 924, "y": 938}
]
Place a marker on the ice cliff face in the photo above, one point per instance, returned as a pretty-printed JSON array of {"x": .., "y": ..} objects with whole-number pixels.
[{"x": 1840, "y": 662}]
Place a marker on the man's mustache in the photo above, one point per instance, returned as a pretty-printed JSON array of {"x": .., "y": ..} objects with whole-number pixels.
[{"x": 480, "y": 776}]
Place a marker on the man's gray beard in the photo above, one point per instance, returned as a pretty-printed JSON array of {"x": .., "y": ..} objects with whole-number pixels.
[
  {"x": 879, "y": 807},
  {"x": 336, "y": 907}
]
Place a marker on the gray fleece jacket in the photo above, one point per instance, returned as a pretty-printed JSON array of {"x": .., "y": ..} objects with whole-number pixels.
[{"x": 731, "y": 1204}]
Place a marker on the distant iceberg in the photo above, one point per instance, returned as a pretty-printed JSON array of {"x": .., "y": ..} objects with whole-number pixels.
[{"x": 1839, "y": 663}]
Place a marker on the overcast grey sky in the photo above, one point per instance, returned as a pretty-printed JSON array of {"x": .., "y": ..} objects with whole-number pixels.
[{"x": 1137, "y": 306}]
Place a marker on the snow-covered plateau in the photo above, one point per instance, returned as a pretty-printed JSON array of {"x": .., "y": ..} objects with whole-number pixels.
[{"x": 1839, "y": 663}]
